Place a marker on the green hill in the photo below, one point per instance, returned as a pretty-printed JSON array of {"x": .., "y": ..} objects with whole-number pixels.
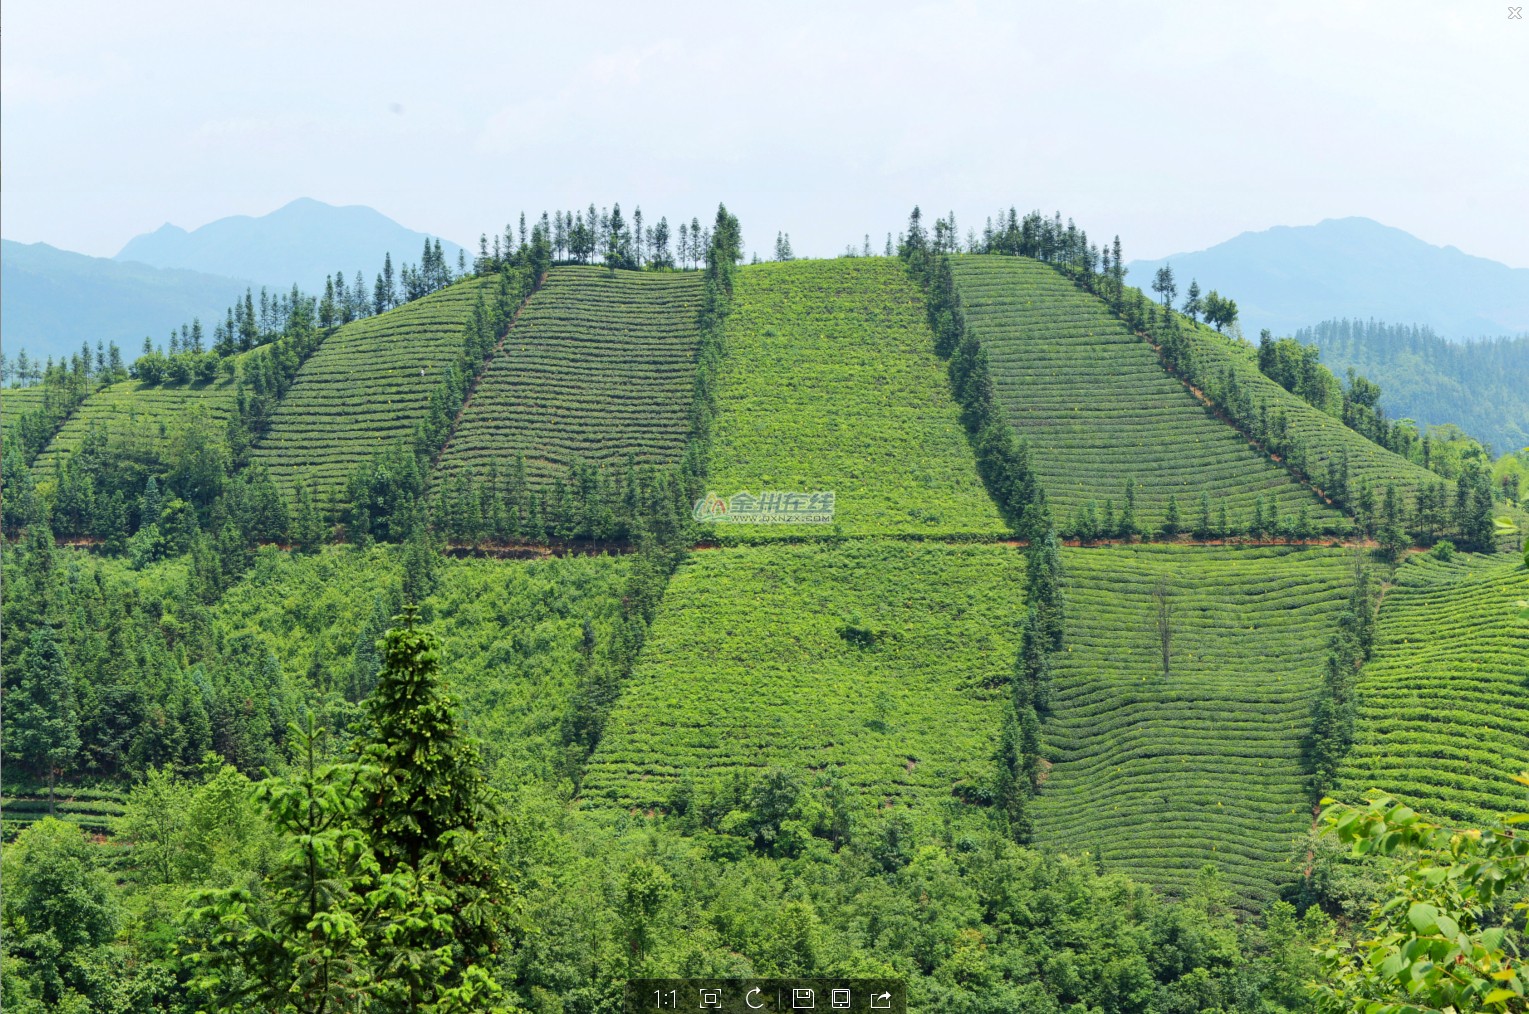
[
  {"x": 596, "y": 368},
  {"x": 830, "y": 383},
  {"x": 366, "y": 387},
  {"x": 882, "y": 661},
  {"x": 1326, "y": 441},
  {"x": 1098, "y": 408},
  {"x": 1162, "y": 775},
  {"x": 1444, "y": 701},
  {"x": 140, "y": 416},
  {"x": 16, "y": 400}
]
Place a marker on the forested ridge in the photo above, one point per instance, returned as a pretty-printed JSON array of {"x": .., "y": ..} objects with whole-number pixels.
[
  {"x": 310, "y": 704},
  {"x": 1477, "y": 385}
]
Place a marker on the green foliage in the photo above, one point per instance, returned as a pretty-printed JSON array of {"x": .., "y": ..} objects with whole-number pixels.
[
  {"x": 830, "y": 383},
  {"x": 368, "y": 386},
  {"x": 1314, "y": 445},
  {"x": 208, "y": 831},
  {"x": 1477, "y": 384},
  {"x": 596, "y": 368},
  {"x": 746, "y": 667},
  {"x": 1333, "y": 714},
  {"x": 1163, "y": 775},
  {"x": 388, "y": 888},
  {"x": 1003, "y": 462},
  {"x": 1442, "y": 715},
  {"x": 432, "y": 822},
  {"x": 34, "y": 414},
  {"x": 1097, "y": 408},
  {"x": 42, "y": 724},
  {"x": 1444, "y": 939},
  {"x": 1220, "y": 311},
  {"x": 57, "y": 914},
  {"x": 970, "y": 921},
  {"x": 513, "y": 633},
  {"x": 141, "y": 423}
]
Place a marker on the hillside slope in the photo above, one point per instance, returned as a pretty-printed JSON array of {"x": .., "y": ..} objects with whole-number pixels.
[
  {"x": 1482, "y": 386},
  {"x": 596, "y": 368},
  {"x": 366, "y": 387},
  {"x": 1097, "y": 407},
  {"x": 1222, "y": 361},
  {"x": 511, "y": 632},
  {"x": 14, "y": 401},
  {"x": 1444, "y": 701},
  {"x": 830, "y": 383},
  {"x": 1161, "y": 775},
  {"x": 753, "y": 662},
  {"x": 140, "y": 418}
]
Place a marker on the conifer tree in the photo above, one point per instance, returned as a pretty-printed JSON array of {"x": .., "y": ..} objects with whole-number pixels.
[
  {"x": 1128, "y": 513},
  {"x": 1163, "y": 285},
  {"x": 42, "y": 722},
  {"x": 1044, "y": 585},
  {"x": 1011, "y": 783},
  {"x": 388, "y": 891},
  {"x": 431, "y": 819},
  {"x": 1192, "y": 302},
  {"x": 1172, "y": 522}
]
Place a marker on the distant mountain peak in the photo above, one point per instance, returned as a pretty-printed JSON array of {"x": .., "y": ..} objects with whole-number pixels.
[
  {"x": 303, "y": 241},
  {"x": 1290, "y": 276}
]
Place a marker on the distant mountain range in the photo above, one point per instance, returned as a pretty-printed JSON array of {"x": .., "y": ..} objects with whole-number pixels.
[
  {"x": 1289, "y": 277},
  {"x": 302, "y": 242},
  {"x": 55, "y": 299}
]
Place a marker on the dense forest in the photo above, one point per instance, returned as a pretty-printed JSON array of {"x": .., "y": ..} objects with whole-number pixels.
[
  {"x": 444, "y": 725},
  {"x": 1477, "y": 385}
]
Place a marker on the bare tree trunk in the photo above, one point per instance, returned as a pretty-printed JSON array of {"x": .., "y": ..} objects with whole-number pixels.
[{"x": 1162, "y": 598}]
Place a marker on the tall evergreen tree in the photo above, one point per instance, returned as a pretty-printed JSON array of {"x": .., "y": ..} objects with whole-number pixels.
[
  {"x": 1192, "y": 302},
  {"x": 42, "y": 722},
  {"x": 388, "y": 892},
  {"x": 432, "y": 819},
  {"x": 1044, "y": 584}
]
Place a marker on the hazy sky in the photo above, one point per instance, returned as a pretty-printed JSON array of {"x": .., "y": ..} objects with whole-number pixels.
[{"x": 1176, "y": 125}]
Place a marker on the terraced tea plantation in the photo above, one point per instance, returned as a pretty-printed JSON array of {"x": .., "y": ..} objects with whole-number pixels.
[
  {"x": 881, "y": 660},
  {"x": 16, "y": 400},
  {"x": 598, "y": 367},
  {"x": 1325, "y": 438},
  {"x": 1098, "y": 408},
  {"x": 94, "y": 809},
  {"x": 831, "y": 383},
  {"x": 1161, "y": 775},
  {"x": 366, "y": 387},
  {"x": 140, "y": 414},
  {"x": 1444, "y": 701}
]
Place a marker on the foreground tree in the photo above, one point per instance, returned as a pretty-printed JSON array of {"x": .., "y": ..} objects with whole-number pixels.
[
  {"x": 1447, "y": 938},
  {"x": 388, "y": 891},
  {"x": 57, "y": 912}
]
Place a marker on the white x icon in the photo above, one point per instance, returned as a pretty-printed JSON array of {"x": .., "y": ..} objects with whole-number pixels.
[{"x": 1515, "y": 14}]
